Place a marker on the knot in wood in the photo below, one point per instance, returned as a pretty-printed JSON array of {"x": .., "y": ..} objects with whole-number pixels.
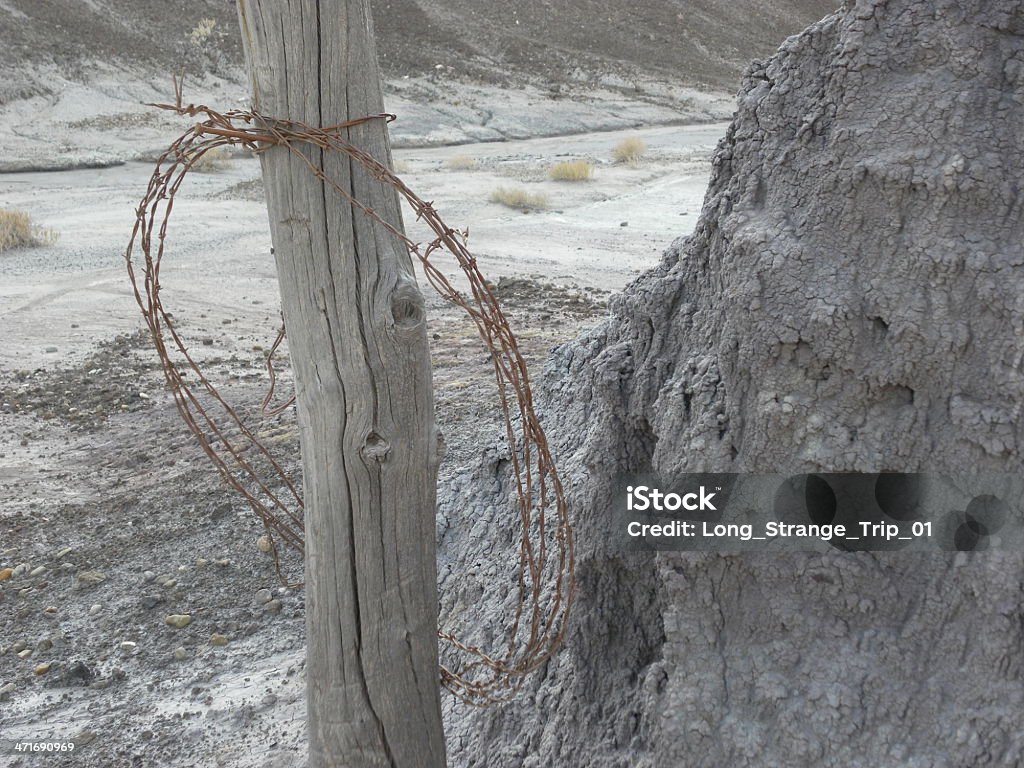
[
  {"x": 375, "y": 447},
  {"x": 407, "y": 307}
]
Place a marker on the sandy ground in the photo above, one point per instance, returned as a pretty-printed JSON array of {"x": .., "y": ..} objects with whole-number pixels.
[
  {"x": 596, "y": 234},
  {"x": 112, "y": 519}
]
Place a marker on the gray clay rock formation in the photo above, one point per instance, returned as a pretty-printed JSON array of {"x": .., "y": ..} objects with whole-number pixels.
[{"x": 852, "y": 299}]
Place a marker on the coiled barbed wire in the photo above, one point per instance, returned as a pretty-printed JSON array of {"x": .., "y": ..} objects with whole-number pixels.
[{"x": 546, "y": 579}]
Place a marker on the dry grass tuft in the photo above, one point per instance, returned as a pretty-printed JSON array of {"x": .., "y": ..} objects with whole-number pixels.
[
  {"x": 572, "y": 170},
  {"x": 461, "y": 163},
  {"x": 202, "y": 32},
  {"x": 18, "y": 231},
  {"x": 630, "y": 150},
  {"x": 213, "y": 160},
  {"x": 520, "y": 199}
]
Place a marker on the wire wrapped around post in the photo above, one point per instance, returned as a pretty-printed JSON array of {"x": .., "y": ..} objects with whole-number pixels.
[{"x": 546, "y": 580}]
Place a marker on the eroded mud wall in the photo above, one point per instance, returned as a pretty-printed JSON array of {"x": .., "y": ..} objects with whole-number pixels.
[{"x": 852, "y": 299}]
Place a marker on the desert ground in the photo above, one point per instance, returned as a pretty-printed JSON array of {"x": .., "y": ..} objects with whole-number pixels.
[{"x": 113, "y": 519}]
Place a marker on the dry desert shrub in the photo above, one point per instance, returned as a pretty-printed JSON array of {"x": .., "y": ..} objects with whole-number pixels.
[
  {"x": 202, "y": 31},
  {"x": 572, "y": 170},
  {"x": 520, "y": 199},
  {"x": 630, "y": 150},
  {"x": 17, "y": 231},
  {"x": 213, "y": 160},
  {"x": 461, "y": 163}
]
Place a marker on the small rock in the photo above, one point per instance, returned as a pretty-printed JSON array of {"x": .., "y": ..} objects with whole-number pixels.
[
  {"x": 63, "y": 553},
  {"x": 624, "y": 224},
  {"x": 274, "y": 606},
  {"x": 7, "y": 688},
  {"x": 128, "y": 646},
  {"x": 202, "y": 562},
  {"x": 44, "y": 645},
  {"x": 21, "y": 570},
  {"x": 95, "y": 609},
  {"x": 264, "y": 596},
  {"x": 217, "y": 639},
  {"x": 77, "y": 673},
  {"x": 263, "y": 543},
  {"x": 182, "y": 569},
  {"x": 91, "y": 578},
  {"x": 19, "y": 646},
  {"x": 151, "y": 601},
  {"x": 180, "y": 654},
  {"x": 50, "y": 609},
  {"x": 148, "y": 576},
  {"x": 207, "y": 342},
  {"x": 25, "y": 654},
  {"x": 269, "y": 700},
  {"x": 39, "y": 571},
  {"x": 170, "y": 583},
  {"x": 42, "y": 669},
  {"x": 51, "y": 350},
  {"x": 220, "y": 512},
  {"x": 6, "y": 573},
  {"x": 179, "y": 620}
]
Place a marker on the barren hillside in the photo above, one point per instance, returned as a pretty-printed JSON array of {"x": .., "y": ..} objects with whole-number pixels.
[{"x": 702, "y": 43}]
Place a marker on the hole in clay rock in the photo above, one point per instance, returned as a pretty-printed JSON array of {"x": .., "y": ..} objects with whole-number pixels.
[
  {"x": 966, "y": 539},
  {"x": 898, "y": 495},
  {"x": 820, "y": 500},
  {"x": 986, "y": 514}
]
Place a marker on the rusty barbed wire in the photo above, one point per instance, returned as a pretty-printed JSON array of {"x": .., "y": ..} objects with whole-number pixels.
[{"x": 546, "y": 578}]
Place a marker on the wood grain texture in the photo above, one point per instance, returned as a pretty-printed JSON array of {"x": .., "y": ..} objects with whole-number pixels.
[{"x": 357, "y": 336}]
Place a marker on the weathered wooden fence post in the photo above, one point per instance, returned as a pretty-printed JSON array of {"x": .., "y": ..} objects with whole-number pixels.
[{"x": 358, "y": 345}]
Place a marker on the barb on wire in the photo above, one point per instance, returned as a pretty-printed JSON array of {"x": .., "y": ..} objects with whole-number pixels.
[{"x": 545, "y": 578}]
